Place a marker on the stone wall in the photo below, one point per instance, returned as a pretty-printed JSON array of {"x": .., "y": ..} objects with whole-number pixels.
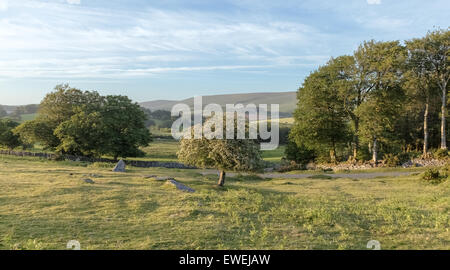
[{"x": 135, "y": 163}]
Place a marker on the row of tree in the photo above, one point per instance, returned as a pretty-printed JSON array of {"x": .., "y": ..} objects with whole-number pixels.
[
  {"x": 76, "y": 122},
  {"x": 386, "y": 97}
]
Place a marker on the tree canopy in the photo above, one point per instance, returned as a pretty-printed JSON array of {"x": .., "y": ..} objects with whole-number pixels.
[
  {"x": 7, "y": 137},
  {"x": 85, "y": 123},
  {"x": 383, "y": 99},
  {"x": 221, "y": 154}
]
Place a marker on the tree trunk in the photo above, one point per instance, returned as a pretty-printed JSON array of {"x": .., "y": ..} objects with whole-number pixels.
[
  {"x": 425, "y": 129},
  {"x": 356, "y": 140},
  {"x": 333, "y": 155},
  {"x": 221, "y": 179},
  {"x": 443, "y": 111},
  {"x": 375, "y": 151}
]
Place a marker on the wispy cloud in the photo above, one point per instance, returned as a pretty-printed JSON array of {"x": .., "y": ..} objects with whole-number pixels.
[
  {"x": 149, "y": 41},
  {"x": 200, "y": 45},
  {"x": 74, "y": 2},
  {"x": 3, "y": 5},
  {"x": 373, "y": 2}
]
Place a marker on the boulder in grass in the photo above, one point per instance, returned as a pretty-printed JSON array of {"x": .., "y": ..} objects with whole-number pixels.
[
  {"x": 89, "y": 181},
  {"x": 120, "y": 167},
  {"x": 180, "y": 186}
]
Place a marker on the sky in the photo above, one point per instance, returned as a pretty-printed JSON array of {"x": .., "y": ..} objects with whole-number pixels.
[{"x": 175, "y": 49}]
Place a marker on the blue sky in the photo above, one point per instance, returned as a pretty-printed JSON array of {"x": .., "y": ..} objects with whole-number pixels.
[{"x": 177, "y": 49}]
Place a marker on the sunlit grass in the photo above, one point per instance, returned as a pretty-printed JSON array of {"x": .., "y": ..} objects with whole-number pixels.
[{"x": 44, "y": 204}]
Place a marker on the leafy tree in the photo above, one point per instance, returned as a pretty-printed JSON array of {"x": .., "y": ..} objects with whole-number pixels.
[
  {"x": 420, "y": 84},
  {"x": 124, "y": 124},
  {"x": 434, "y": 51},
  {"x": 384, "y": 62},
  {"x": 38, "y": 131},
  {"x": 86, "y": 123},
  {"x": 57, "y": 107},
  {"x": 7, "y": 136},
  {"x": 222, "y": 154},
  {"x": 84, "y": 134},
  {"x": 320, "y": 118}
]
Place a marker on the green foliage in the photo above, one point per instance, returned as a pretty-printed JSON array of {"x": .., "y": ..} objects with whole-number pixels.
[
  {"x": 432, "y": 176},
  {"x": 85, "y": 123},
  {"x": 233, "y": 155},
  {"x": 124, "y": 123},
  {"x": 299, "y": 154},
  {"x": 441, "y": 154},
  {"x": 222, "y": 154},
  {"x": 38, "y": 131},
  {"x": 391, "y": 160},
  {"x": 321, "y": 121},
  {"x": 374, "y": 99},
  {"x": 7, "y": 137}
]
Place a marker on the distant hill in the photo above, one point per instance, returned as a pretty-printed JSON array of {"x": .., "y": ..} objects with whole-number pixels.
[
  {"x": 9, "y": 109},
  {"x": 287, "y": 101}
]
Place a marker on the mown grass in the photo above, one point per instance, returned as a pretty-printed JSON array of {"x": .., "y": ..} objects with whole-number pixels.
[{"x": 44, "y": 204}]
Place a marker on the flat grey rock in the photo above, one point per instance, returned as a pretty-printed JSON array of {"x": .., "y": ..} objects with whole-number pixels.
[
  {"x": 180, "y": 186},
  {"x": 164, "y": 178},
  {"x": 120, "y": 167},
  {"x": 89, "y": 181}
]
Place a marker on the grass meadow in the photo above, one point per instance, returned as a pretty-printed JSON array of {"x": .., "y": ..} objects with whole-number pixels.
[{"x": 44, "y": 204}]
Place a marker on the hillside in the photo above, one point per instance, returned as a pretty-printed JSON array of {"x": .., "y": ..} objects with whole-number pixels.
[{"x": 287, "y": 101}]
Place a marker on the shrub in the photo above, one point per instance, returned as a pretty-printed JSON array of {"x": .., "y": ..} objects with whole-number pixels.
[
  {"x": 391, "y": 160},
  {"x": 299, "y": 154},
  {"x": 440, "y": 154},
  {"x": 364, "y": 153},
  {"x": 433, "y": 176},
  {"x": 407, "y": 156}
]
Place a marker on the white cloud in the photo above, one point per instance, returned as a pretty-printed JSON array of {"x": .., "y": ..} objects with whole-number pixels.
[
  {"x": 85, "y": 43},
  {"x": 373, "y": 2},
  {"x": 74, "y": 2},
  {"x": 3, "y": 5}
]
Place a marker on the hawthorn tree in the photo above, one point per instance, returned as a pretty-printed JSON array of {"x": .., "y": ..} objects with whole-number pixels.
[{"x": 222, "y": 154}]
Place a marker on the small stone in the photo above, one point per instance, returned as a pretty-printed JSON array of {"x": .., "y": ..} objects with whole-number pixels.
[
  {"x": 180, "y": 186},
  {"x": 120, "y": 167},
  {"x": 89, "y": 181}
]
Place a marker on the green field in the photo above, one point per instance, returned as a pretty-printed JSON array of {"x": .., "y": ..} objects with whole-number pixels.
[
  {"x": 28, "y": 117},
  {"x": 44, "y": 204},
  {"x": 165, "y": 150}
]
